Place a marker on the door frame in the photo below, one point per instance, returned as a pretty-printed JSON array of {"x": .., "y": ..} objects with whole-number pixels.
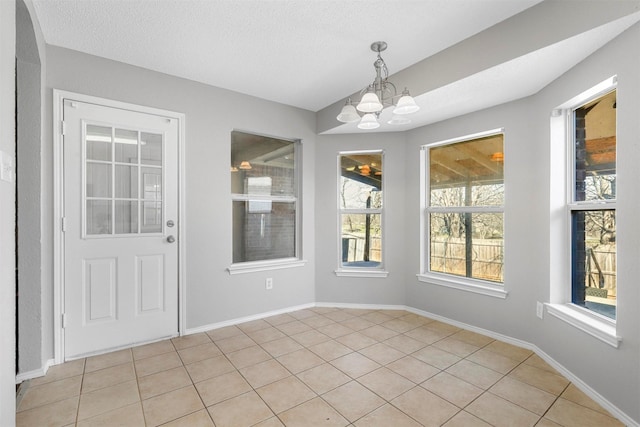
[{"x": 59, "y": 97}]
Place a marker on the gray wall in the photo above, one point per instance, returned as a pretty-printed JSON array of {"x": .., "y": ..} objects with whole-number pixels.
[
  {"x": 29, "y": 192},
  {"x": 212, "y": 295},
  {"x": 614, "y": 373},
  {"x": 329, "y": 287},
  {"x": 7, "y": 216}
]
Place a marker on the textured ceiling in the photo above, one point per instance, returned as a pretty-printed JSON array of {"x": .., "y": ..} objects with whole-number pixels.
[{"x": 304, "y": 53}]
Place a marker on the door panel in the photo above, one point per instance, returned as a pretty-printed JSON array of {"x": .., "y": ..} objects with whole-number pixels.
[
  {"x": 120, "y": 189},
  {"x": 99, "y": 288}
]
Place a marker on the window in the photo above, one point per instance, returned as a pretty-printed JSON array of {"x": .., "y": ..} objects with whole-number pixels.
[
  {"x": 122, "y": 177},
  {"x": 360, "y": 210},
  {"x": 464, "y": 213},
  {"x": 592, "y": 205},
  {"x": 264, "y": 194},
  {"x": 582, "y": 203}
]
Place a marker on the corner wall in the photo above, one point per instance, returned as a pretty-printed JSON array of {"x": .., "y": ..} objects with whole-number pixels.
[
  {"x": 329, "y": 287},
  {"x": 29, "y": 131},
  {"x": 613, "y": 373},
  {"x": 7, "y": 215}
]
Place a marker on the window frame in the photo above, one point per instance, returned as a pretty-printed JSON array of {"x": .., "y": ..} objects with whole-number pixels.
[
  {"x": 296, "y": 199},
  {"x": 468, "y": 284},
  {"x": 562, "y": 167},
  {"x": 352, "y": 271}
]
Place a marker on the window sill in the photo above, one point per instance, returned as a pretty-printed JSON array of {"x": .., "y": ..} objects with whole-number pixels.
[
  {"x": 601, "y": 329},
  {"x": 256, "y": 266},
  {"x": 475, "y": 286},
  {"x": 361, "y": 273}
]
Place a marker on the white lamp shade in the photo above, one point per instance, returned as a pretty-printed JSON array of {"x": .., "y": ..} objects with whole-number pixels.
[
  {"x": 406, "y": 105},
  {"x": 369, "y": 103},
  {"x": 368, "y": 122},
  {"x": 399, "y": 120},
  {"x": 348, "y": 114}
]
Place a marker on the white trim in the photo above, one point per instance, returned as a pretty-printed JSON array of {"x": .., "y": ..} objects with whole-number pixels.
[
  {"x": 469, "y": 137},
  {"x": 36, "y": 373},
  {"x": 253, "y": 267},
  {"x": 363, "y": 272},
  {"x": 361, "y": 306},
  {"x": 464, "y": 284},
  {"x": 590, "y": 94},
  {"x": 462, "y": 325},
  {"x": 582, "y": 386},
  {"x": 181, "y": 226},
  {"x": 598, "y": 398},
  {"x": 245, "y": 319},
  {"x": 601, "y": 329},
  {"x": 58, "y": 241}
]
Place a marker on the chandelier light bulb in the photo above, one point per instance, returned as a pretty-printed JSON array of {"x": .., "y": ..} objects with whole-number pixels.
[
  {"x": 370, "y": 103},
  {"x": 406, "y": 104},
  {"x": 368, "y": 121},
  {"x": 348, "y": 113}
]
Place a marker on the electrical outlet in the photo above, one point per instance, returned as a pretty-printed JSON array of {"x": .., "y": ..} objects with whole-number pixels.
[
  {"x": 268, "y": 283},
  {"x": 539, "y": 309}
]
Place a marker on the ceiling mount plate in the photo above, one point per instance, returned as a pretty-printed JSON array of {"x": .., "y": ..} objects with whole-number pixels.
[{"x": 378, "y": 46}]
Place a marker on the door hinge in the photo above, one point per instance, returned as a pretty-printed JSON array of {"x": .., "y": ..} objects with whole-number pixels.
[
  {"x": 64, "y": 223},
  {"x": 63, "y": 128},
  {"x": 64, "y": 320}
]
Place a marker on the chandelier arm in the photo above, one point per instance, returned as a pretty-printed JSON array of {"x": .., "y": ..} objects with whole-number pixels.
[{"x": 384, "y": 67}]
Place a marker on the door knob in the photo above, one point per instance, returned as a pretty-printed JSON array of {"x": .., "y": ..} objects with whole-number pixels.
[{"x": 171, "y": 239}]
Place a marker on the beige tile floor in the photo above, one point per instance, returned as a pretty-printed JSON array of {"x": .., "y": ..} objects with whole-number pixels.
[{"x": 315, "y": 367}]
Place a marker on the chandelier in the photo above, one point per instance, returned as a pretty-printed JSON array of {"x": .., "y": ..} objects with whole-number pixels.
[{"x": 377, "y": 96}]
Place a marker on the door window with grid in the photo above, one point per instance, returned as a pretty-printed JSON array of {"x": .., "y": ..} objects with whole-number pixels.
[{"x": 123, "y": 176}]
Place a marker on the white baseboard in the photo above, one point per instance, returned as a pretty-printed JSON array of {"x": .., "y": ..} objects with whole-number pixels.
[
  {"x": 36, "y": 373},
  {"x": 236, "y": 321},
  {"x": 581, "y": 385},
  {"x": 360, "y": 306}
]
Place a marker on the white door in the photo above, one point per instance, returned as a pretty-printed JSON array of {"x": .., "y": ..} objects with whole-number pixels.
[{"x": 120, "y": 227}]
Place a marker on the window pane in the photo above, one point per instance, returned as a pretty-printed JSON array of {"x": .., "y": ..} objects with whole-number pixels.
[
  {"x": 254, "y": 159},
  {"x": 126, "y": 146},
  {"x": 361, "y": 240},
  {"x": 152, "y": 183},
  {"x": 361, "y": 181},
  {"x": 594, "y": 261},
  {"x": 98, "y": 180},
  {"x": 151, "y": 149},
  {"x": 468, "y": 245},
  {"x": 263, "y": 230},
  {"x": 126, "y": 217},
  {"x": 126, "y": 182},
  {"x": 98, "y": 143},
  {"x": 98, "y": 217},
  {"x": 151, "y": 217},
  {"x": 468, "y": 173},
  {"x": 595, "y": 149}
]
